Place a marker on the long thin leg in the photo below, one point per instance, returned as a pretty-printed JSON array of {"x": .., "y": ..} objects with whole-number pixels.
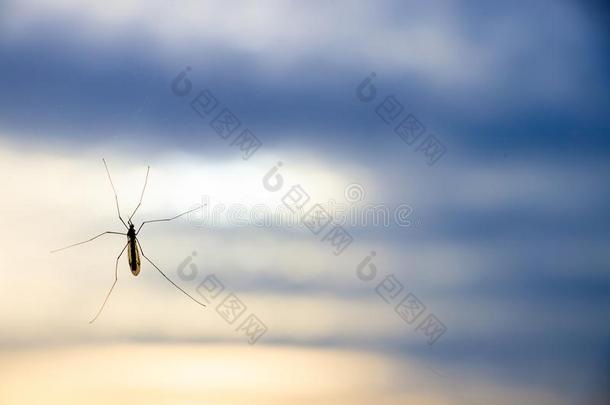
[
  {"x": 168, "y": 219},
  {"x": 167, "y": 278},
  {"x": 141, "y": 196},
  {"x": 88, "y": 240},
  {"x": 116, "y": 277},
  {"x": 116, "y": 199}
]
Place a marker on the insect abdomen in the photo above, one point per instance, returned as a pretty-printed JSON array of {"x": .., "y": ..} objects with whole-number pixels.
[{"x": 134, "y": 257}]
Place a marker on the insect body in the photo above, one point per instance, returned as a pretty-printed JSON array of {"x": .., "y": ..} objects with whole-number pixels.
[
  {"x": 133, "y": 246},
  {"x": 133, "y": 253}
]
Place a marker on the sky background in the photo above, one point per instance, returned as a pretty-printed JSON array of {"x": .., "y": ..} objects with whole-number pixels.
[{"x": 507, "y": 234}]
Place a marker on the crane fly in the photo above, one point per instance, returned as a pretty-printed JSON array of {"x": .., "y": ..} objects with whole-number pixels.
[{"x": 133, "y": 246}]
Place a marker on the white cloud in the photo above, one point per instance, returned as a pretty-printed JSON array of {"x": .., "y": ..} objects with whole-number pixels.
[{"x": 437, "y": 41}]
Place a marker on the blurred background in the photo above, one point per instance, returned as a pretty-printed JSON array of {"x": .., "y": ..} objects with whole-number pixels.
[{"x": 496, "y": 198}]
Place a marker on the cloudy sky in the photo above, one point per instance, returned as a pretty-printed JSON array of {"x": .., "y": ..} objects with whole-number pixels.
[{"x": 492, "y": 213}]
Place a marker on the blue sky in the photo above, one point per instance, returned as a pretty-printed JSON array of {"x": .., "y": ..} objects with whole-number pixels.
[{"x": 510, "y": 243}]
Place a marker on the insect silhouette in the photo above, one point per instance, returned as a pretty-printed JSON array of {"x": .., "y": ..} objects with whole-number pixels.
[{"x": 134, "y": 249}]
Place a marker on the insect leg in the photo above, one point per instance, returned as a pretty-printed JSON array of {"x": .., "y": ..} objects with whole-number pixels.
[
  {"x": 116, "y": 277},
  {"x": 168, "y": 219},
  {"x": 141, "y": 196},
  {"x": 167, "y": 278},
  {"x": 88, "y": 240},
  {"x": 116, "y": 199}
]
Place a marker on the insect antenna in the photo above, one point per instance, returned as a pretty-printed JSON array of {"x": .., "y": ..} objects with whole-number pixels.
[
  {"x": 141, "y": 195},
  {"x": 116, "y": 277},
  {"x": 88, "y": 240},
  {"x": 116, "y": 199},
  {"x": 167, "y": 278}
]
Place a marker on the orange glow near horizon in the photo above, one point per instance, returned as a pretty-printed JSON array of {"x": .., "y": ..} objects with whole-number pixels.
[{"x": 218, "y": 374}]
